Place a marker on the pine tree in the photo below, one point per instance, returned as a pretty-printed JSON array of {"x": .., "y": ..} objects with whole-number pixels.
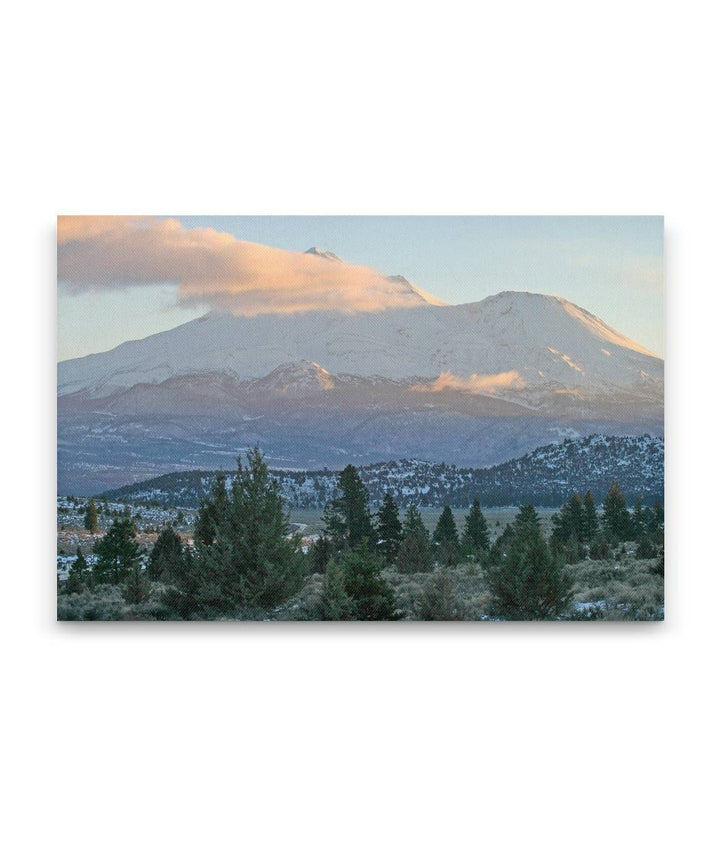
[
  {"x": 372, "y": 597},
  {"x": 638, "y": 520},
  {"x": 251, "y": 560},
  {"x": 500, "y": 545},
  {"x": 656, "y": 522},
  {"x": 414, "y": 524},
  {"x": 445, "y": 538},
  {"x": 77, "y": 576},
  {"x": 389, "y": 530},
  {"x": 527, "y": 515},
  {"x": 320, "y": 554},
  {"x": 570, "y": 522},
  {"x": 414, "y": 555},
  {"x": 80, "y": 564},
  {"x": 529, "y": 583},
  {"x": 213, "y": 508},
  {"x": 616, "y": 521},
  {"x": 348, "y": 522},
  {"x": 475, "y": 537},
  {"x": 136, "y": 587},
  {"x": 116, "y": 552},
  {"x": 91, "y": 517},
  {"x": 590, "y": 519},
  {"x": 166, "y": 556}
]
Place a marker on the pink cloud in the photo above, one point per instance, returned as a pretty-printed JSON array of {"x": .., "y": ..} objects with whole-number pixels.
[
  {"x": 216, "y": 268},
  {"x": 475, "y": 384}
]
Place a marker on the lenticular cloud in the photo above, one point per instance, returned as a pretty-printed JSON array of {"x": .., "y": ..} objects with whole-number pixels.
[{"x": 216, "y": 268}]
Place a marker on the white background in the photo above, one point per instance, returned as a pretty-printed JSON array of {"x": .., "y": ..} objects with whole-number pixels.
[{"x": 359, "y": 739}]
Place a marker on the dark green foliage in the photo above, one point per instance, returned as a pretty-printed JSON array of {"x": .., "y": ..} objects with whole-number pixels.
[
  {"x": 116, "y": 553},
  {"x": 414, "y": 554},
  {"x": 500, "y": 545},
  {"x": 320, "y": 554},
  {"x": 166, "y": 556},
  {"x": 414, "y": 524},
  {"x": 570, "y": 523},
  {"x": 249, "y": 561},
  {"x": 212, "y": 510},
  {"x": 617, "y": 525},
  {"x": 475, "y": 538},
  {"x": 656, "y": 523},
  {"x": 80, "y": 564},
  {"x": 91, "y": 517},
  {"x": 445, "y": 538},
  {"x": 136, "y": 588},
  {"x": 637, "y": 521},
  {"x": 590, "y": 519},
  {"x": 600, "y": 549},
  {"x": 335, "y": 603},
  {"x": 372, "y": 597},
  {"x": 529, "y": 583},
  {"x": 189, "y": 594},
  {"x": 389, "y": 530},
  {"x": 646, "y": 549},
  {"x": 77, "y": 577},
  {"x": 527, "y": 515},
  {"x": 348, "y": 522},
  {"x": 437, "y": 601}
]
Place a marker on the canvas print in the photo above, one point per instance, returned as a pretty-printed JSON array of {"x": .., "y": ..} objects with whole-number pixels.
[{"x": 360, "y": 418}]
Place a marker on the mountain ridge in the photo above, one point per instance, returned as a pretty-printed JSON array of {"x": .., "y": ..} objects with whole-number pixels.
[{"x": 546, "y": 476}]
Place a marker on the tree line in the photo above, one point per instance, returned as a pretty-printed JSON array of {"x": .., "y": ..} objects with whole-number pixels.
[{"x": 245, "y": 558}]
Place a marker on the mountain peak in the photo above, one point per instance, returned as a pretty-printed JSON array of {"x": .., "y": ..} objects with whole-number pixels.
[{"x": 323, "y": 254}]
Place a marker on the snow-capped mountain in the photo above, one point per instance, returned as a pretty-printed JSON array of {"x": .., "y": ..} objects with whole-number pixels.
[
  {"x": 503, "y": 345},
  {"x": 473, "y": 384}
]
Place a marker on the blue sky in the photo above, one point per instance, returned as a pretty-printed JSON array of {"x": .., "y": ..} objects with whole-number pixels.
[{"x": 612, "y": 266}]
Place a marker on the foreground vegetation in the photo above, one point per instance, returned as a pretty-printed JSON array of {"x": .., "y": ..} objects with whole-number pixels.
[{"x": 244, "y": 563}]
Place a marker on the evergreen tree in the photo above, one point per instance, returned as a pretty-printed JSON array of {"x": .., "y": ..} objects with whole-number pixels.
[
  {"x": 189, "y": 593},
  {"x": 136, "y": 587},
  {"x": 91, "y": 517},
  {"x": 616, "y": 521},
  {"x": 116, "y": 553},
  {"x": 570, "y": 523},
  {"x": 166, "y": 556},
  {"x": 80, "y": 564},
  {"x": 372, "y": 597},
  {"x": 414, "y": 554},
  {"x": 637, "y": 522},
  {"x": 529, "y": 583},
  {"x": 77, "y": 576},
  {"x": 389, "y": 530},
  {"x": 348, "y": 521},
  {"x": 213, "y": 509},
  {"x": 250, "y": 560},
  {"x": 320, "y": 554},
  {"x": 500, "y": 545},
  {"x": 414, "y": 524},
  {"x": 656, "y": 522},
  {"x": 527, "y": 515},
  {"x": 590, "y": 519},
  {"x": 445, "y": 538},
  {"x": 475, "y": 537},
  {"x": 437, "y": 601}
]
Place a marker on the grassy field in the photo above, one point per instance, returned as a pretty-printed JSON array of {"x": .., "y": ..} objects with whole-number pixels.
[{"x": 497, "y": 518}]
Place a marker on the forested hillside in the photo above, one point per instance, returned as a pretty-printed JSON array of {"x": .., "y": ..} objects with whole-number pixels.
[{"x": 543, "y": 477}]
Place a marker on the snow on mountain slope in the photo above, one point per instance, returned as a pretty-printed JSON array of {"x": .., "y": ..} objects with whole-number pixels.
[{"x": 547, "y": 345}]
